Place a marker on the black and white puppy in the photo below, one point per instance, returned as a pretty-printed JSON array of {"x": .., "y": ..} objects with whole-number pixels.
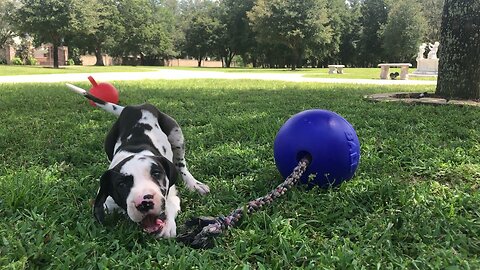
[{"x": 146, "y": 150}]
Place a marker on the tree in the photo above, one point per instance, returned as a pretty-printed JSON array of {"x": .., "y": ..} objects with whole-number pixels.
[
  {"x": 404, "y": 31},
  {"x": 459, "y": 64},
  {"x": 94, "y": 28},
  {"x": 337, "y": 21},
  {"x": 374, "y": 16},
  {"x": 201, "y": 37},
  {"x": 46, "y": 20},
  {"x": 7, "y": 9},
  {"x": 432, "y": 11},
  {"x": 203, "y": 32},
  {"x": 349, "y": 46},
  {"x": 145, "y": 29},
  {"x": 237, "y": 37},
  {"x": 295, "y": 24}
]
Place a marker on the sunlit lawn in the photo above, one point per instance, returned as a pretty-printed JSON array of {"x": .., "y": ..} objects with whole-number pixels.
[
  {"x": 349, "y": 73},
  {"x": 7, "y": 70},
  {"x": 414, "y": 203},
  {"x": 358, "y": 73}
]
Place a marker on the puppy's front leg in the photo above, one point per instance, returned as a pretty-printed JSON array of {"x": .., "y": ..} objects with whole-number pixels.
[
  {"x": 172, "y": 207},
  {"x": 178, "y": 147}
]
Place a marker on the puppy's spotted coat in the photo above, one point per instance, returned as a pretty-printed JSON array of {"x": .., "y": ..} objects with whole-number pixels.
[{"x": 146, "y": 150}]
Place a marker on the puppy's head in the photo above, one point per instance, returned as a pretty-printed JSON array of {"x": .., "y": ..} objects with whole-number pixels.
[{"x": 139, "y": 184}]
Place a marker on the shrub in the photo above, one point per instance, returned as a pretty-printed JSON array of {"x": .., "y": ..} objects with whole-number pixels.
[
  {"x": 238, "y": 61},
  {"x": 17, "y": 61},
  {"x": 70, "y": 62},
  {"x": 75, "y": 55},
  {"x": 31, "y": 61}
]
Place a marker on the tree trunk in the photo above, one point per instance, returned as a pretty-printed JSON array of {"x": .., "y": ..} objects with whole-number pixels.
[
  {"x": 55, "y": 55},
  {"x": 199, "y": 62},
  {"x": 459, "y": 61},
  {"x": 228, "y": 62},
  {"x": 295, "y": 56},
  {"x": 229, "y": 58},
  {"x": 99, "y": 56}
]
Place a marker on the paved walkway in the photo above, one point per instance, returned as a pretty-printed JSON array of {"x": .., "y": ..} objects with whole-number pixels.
[{"x": 173, "y": 74}]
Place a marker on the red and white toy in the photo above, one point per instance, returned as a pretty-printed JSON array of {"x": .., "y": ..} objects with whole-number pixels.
[{"x": 104, "y": 91}]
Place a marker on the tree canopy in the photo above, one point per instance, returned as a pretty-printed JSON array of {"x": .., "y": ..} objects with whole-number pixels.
[
  {"x": 270, "y": 33},
  {"x": 294, "y": 24},
  {"x": 403, "y": 31},
  {"x": 146, "y": 30},
  {"x": 7, "y": 9},
  {"x": 96, "y": 28},
  {"x": 47, "y": 20},
  {"x": 203, "y": 33}
]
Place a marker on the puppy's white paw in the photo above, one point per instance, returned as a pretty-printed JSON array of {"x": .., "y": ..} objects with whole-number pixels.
[
  {"x": 199, "y": 187},
  {"x": 194, "y": 185}
]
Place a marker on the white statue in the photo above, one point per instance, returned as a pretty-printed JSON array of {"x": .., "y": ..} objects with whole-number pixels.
[
  {"x": 432, "y": 54},
  {"x": 421, "y": 51},
  {"x": 427, "y": 66}
]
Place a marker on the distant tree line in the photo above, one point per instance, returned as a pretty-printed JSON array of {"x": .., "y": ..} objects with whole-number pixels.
[{"x": 258, "y": 33}]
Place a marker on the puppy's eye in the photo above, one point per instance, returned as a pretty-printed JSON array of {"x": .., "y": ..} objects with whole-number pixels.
[
  {"x": 122, "y": 184},
  {"x": 157, "y": 174}
]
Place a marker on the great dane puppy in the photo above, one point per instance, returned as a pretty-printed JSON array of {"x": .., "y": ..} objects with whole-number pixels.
[{"x": 146, "y": 150}]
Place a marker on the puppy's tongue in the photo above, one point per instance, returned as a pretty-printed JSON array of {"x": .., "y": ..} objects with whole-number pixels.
[{"x": 152, "y": 224}]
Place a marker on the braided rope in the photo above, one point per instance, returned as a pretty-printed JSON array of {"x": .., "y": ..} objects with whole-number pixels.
[{"x": 215, "y": 226}]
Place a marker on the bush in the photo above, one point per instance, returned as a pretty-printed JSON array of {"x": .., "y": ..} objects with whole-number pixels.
[
  {"x": 31, "y": 61},
  {"x": 237, "y": 61},
  {"x": 17, "y": 61},
  {"x": 75, "y": 55},
  {"x": 70, "y": 62}
]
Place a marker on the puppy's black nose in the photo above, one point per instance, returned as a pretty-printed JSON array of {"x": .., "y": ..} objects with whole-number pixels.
[{"x": 145, "y": 206}]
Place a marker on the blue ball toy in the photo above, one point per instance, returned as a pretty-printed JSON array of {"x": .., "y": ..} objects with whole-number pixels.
[{"x": 329, "y": 140}]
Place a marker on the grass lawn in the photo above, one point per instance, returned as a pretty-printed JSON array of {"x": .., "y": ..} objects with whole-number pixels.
[
  {"x": 358, "y": 73},
  {"x": 349, "y": 73},
  {"x": 414, "y": 203},
  {"x": 8, "y": 70}
]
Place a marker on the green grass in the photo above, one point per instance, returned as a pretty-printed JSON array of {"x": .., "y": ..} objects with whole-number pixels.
[
  {"x": 358, "y": 73},
  {"x": 349, "y": 73},
  {"x": 9, "y": 70},
  {"x": 414, "y": 203}
]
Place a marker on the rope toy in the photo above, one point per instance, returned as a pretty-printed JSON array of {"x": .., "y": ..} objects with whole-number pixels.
[
  {"x": 326, "y": 145},
  {"x": 200, "y": 231}
]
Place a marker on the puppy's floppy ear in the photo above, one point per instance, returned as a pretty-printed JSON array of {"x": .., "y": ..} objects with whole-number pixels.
[
  {"x": 111, "y": 140},
  {"x": 103, "y": 193},
  {"x": 170, "y": 169}
]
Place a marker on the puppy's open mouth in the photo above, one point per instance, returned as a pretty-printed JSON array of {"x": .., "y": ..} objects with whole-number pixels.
[{"x": 152, "y": 223}]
